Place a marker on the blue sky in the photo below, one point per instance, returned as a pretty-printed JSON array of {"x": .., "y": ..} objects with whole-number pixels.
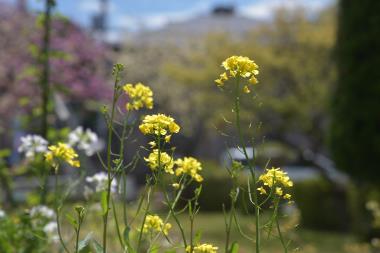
[{"x": 153, "y": 14}]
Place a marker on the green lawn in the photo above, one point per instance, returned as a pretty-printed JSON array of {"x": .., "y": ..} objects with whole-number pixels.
[{"x": 212, "y": 227}]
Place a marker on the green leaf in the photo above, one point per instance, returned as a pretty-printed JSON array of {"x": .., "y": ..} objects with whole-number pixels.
[
  {"x": 71, "y": 220},
  {"x": 154, "y": 250},
  {"x": 126, "y": 234},
  {"x": 97, "y": 247},
  {"x": 234, "y": 248},
  {"x": 84, "y": 245},
  {"x": 197, "y": 237},
  {"x": 103, "y": 202}
]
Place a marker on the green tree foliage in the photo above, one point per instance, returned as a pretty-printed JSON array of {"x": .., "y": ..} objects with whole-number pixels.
[
  {"x": 294, "y": 55},
  {"x": 355, "y": 135}
]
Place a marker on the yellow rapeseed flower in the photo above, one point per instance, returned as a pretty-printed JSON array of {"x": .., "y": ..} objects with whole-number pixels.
[
  {"x": 239, "y": 66},
  {"x": 140, "y": 96},
  {"x": 153, "y": 223},
  {"x": 262, "y": 190},
  {"x": 203, "y": 248},
  {"x": 176, "y": 185},
  {"x": 189, "y": 166},
  {"x": 63, "y": 152},
  {"x": 166, "y": 161},
  {"x": 159, "y": 125},
  {"x": 277, "y": 178}
]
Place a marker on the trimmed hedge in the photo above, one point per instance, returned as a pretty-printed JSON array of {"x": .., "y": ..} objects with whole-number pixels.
[{"x": 323, "y": 205}]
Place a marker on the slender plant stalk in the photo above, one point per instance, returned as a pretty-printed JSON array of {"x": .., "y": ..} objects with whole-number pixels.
[
  {"x": 229, "y": 224},
  {"x": 45, "y": 58},
  {"x": 57, "y": 211},
  {"x": 279, "y": 228},
  {"x": 281, "y": 236},
  {"x": 45, "y": 82},
  {"x": 117, "y": 224},
  {"x": 191, "y": 233},
  {"x": 171, "y": 209},
  {"x": 124, "y": 178},
  {"x": 143, "y": 222},
  {"x": 251, "y": 168},
  {"x": 124, "y": 173},
  {"x": 77, "y": 237},
  {"x": 172, "y": 212},
  {"x": 172, "y": 206},
  {"x": 109, "y": 162},
  {"x": 121, "y": 159}
]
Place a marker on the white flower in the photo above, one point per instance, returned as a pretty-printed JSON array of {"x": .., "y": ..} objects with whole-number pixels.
[
  {"x": 2, "y": 214},
  {"x": 42, "y": 211},
  {"x": 51, "y": 227},
  {"x": 32, "y": 144},
  {"x": 87, "y": 141},
  {"x": 51, "y": 230},
  {"x": 100, "y": 181}
]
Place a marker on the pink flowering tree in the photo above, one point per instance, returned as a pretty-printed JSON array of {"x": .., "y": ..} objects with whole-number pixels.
[{"x": 77, "y": 63}]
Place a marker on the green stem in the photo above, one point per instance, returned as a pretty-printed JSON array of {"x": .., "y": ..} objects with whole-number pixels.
[
  {"x": 109, "y": 144},
  {"x": 57, "y": 211},
  {"x": 117, "y": 224},
  {"x": 44, "y": 81},
  {"x": 124, "y": 173},
  {"x": 229, "y": 224},
  {"x": 143, "y": 222},
  {"x": 171, "y": 211},
  {"x": 172, "y": 206},
  {"x": 125, "y": 218},
  {"x": 45, "y": 77},
  {"x": 191, "y": 234},
  {"x": 251, "y": 168},
  {"x": 77, "y": 237},
  {"x": 281, "y": 236}
]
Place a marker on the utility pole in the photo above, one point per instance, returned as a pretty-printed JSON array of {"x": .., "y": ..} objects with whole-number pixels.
[
  {"x": 22, "y": 5},
  {"x": 99, "y": 20}
]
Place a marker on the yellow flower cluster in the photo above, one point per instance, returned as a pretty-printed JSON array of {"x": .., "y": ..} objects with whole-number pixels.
[
  {"x": 140, "y": 96},
  {"x": 153, "y": 223},
  {"x": 203, "y": 248},
  {"x": 239, "y": 66},
  {"x": 277, "y": 178},
  {"x": 190, "y": 166},
  {"x": 159, "y": 125},
  {"x": 166, "y": 162},
  {"x": 63, "y": 152}
]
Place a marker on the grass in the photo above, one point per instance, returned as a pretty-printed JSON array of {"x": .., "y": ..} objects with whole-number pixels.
[{"x": 211, "y": 227}]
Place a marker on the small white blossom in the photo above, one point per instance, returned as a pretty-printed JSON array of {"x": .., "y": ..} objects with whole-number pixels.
[
  {"x": 51, "y": 230},
  {"x": 2, "y": 214},
  {"x": 42, "y": 211},
  {"x": 32, "y": 144},
  {"x": 87, "y": 141},
  {"x": 100, "y": 181}
]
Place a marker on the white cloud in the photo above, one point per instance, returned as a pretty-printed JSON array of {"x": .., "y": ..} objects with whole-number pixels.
[
  {"x": 264, "y": 9},
  {"x": 159, "y": 20}
]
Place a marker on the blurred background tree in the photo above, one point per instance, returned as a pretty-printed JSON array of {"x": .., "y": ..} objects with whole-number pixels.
[
  {"x": 295, "y": 56},
  {"x": 78, "y": 65},
  {"x": 355, "y": 135}
]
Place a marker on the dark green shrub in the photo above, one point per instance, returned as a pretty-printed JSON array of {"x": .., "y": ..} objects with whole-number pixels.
[
  {"x": 323, "y": 205},
  {"x": 215, "y": 188}
]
